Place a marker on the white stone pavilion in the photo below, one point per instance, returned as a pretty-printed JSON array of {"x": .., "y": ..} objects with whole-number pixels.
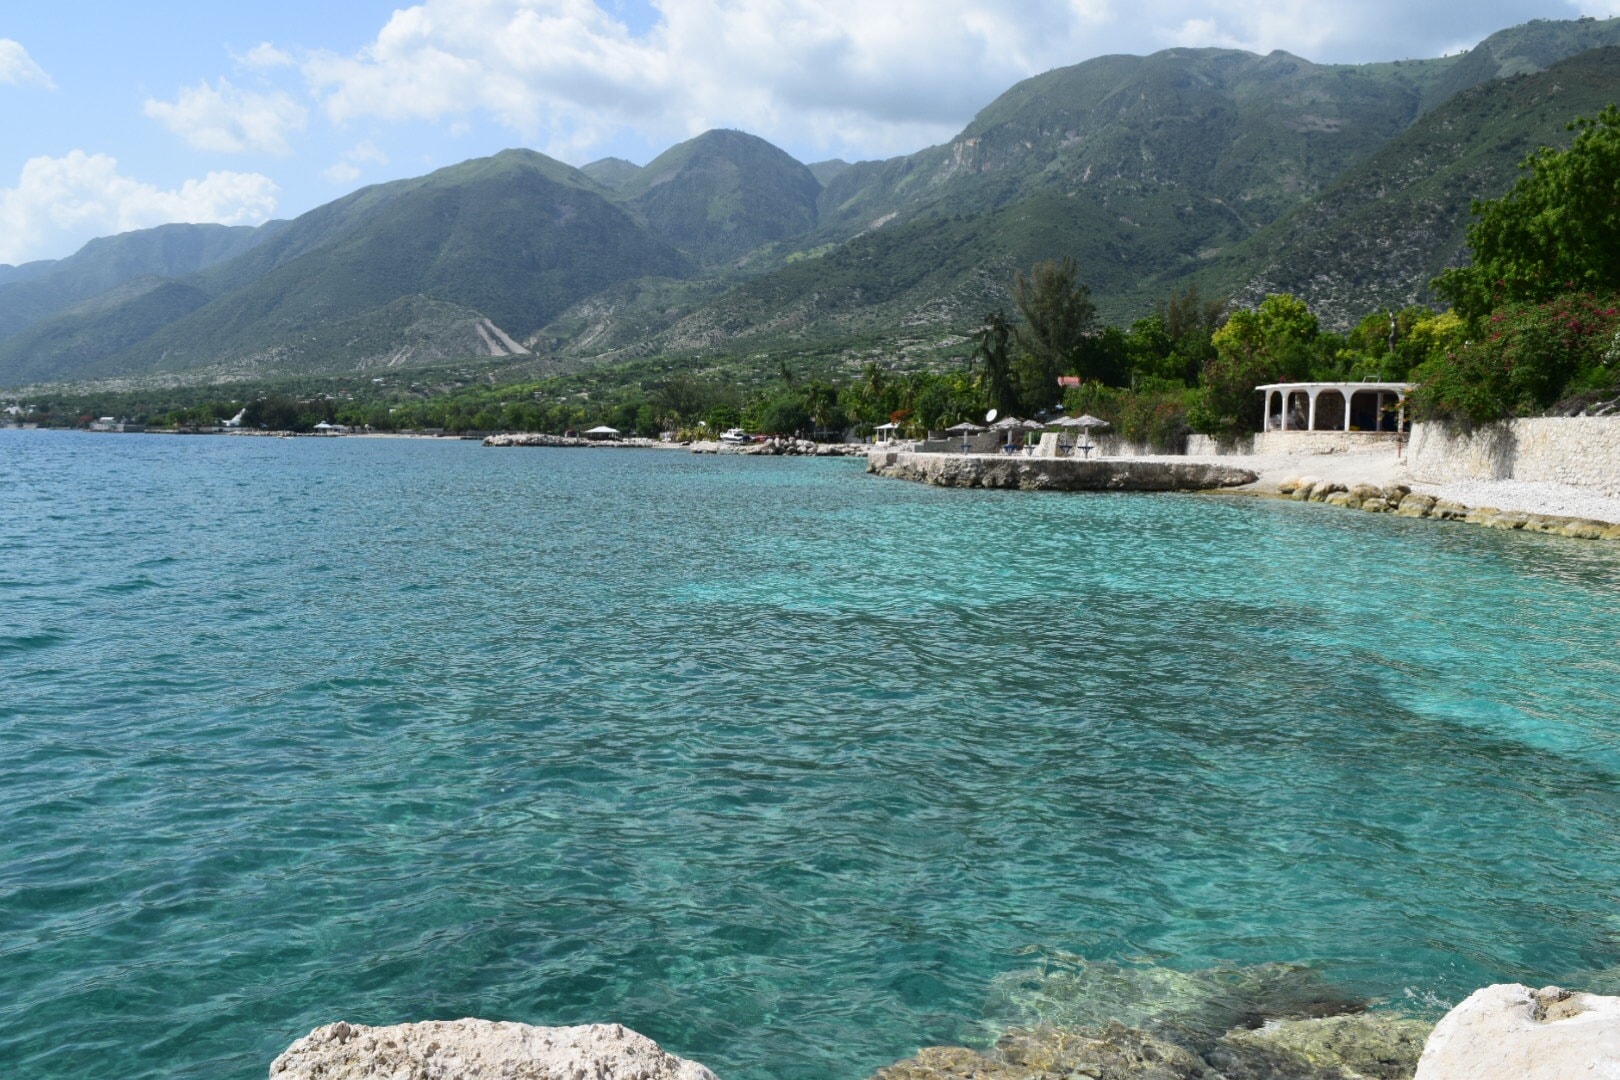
[{"x": 1346, "y": 414}]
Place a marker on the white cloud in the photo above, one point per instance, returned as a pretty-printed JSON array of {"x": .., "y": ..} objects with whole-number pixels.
[
  {"x": 846, "y": 76},
  {"x": 58, "y": 201},
  {"x": 229, "y": 120},
  {"x": 16, "y": 66},
  {"x": 348, "y": 170},
  {"x": 560, "y": 72},
  {"x": 263, "y": 57}
]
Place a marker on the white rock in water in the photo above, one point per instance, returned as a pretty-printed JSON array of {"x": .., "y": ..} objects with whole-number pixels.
[
  {"x": 480, "y": 1050},
  {"x": 1511, "y": 1032}
]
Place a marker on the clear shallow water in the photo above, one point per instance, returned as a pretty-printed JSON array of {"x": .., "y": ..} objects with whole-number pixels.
[{"x": 791, "y": 768}]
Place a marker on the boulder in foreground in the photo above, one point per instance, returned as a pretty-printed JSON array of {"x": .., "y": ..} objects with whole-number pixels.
[
  {"x": 480, "y": 1050},
  {"x": 1511, "y": 1031}
]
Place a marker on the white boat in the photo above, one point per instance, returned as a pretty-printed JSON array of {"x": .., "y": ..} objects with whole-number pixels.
[{"x": 735, "y": 436}]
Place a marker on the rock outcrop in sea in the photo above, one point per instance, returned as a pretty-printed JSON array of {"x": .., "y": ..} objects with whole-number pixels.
[
  {"x": 1509, "y": 1030},
  {"x": 1056, "y": 474},
  {"x": 1366, "y": 1046},
  {"x": 480, "y": 1050}
]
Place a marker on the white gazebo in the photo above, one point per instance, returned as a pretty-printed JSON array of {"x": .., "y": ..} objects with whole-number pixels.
[{"x": 1341, "y": 407}]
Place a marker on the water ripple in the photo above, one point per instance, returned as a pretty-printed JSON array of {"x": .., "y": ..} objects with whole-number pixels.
[{"x": 771, "y": 760}]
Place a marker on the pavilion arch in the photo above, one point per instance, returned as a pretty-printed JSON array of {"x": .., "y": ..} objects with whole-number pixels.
[{"x": 1346, "y": 407}]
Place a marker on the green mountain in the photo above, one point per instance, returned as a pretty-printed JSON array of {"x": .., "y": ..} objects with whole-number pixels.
[
  {"x": 38, "y": 290},
  {"x": 1149, "y": 171},
  {"x": 824, "y": 171},
  {"x": 1380, "y": 234},
  {"x": 464, "y": 262},
  {"x": 611, "y": 172},
  {"x": 723, "y": 194},
  {"x": 1518, "y": 50},
  {"x": 1346, "y": 183}
]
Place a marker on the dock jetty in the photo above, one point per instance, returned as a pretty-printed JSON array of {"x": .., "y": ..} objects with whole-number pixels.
[{"x": 1055, "y": 473}]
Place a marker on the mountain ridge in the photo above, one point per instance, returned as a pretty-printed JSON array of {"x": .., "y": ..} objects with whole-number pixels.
[{"x": 1151, "y": 171}]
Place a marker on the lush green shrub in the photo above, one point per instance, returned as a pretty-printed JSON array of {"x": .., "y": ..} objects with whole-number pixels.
[
  {"x": 1530, "y": 357},
  {"x": 1155, "y": 415},
  {"x": 1557, "y": 231}
]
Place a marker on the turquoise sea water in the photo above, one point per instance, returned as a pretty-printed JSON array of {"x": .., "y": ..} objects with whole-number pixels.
[{"x": 791, "y": 768}]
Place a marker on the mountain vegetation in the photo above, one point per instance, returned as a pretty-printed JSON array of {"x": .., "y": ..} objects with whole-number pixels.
[
  {"x": 38, "y": 290},
  {"x": 1347, "y": 186},
  {"x": 722, "y": 195},
  {"x": 1380, "y": 234}
]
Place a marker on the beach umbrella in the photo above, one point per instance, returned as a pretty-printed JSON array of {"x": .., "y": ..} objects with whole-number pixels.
[
  {"x": 965, "y": 428},
  {"x": 1085, "y": 423}
]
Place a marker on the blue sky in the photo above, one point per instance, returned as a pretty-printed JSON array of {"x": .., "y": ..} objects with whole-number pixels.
[{"x": 120, "y": 116}]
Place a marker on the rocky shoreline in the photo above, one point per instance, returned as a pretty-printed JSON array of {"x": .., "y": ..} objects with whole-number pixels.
[
  {"x": 1502, "y": 1032},
  {"x": 765, "y": 448},
  {"x": 1402, "y": 501},
  {"x": 1374, "y": 483}
]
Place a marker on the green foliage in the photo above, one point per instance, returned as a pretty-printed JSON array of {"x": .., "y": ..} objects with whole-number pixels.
[
  {"x": 1154, "y": 417},
  {"x": 1270, "y": 344},
  {"x": 1103, "y": 357},
  {"x": 992, "y": 351},
  {"x": 1058, "y": 315},
  {"x": 1385, "y": 345},
  {"x": 1528, "y": 358},
  {"x": 1556, "y": 231},
  {"x": 724, "y": 194}
]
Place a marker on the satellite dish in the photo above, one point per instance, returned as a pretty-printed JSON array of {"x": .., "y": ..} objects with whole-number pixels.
[{"x": 990, "y": 417}]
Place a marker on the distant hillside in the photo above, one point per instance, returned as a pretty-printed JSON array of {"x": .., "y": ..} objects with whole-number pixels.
[
  {"x": 1346, "y": 183},
  {"x": 723, "y": 194},
  {"x": 612, "y": 173},
  {"x": 824, "y": 171},
  {"x": 1518, "y": 50},
  {"x": 1141, "y": 168},
  {"x": 1379, "y": 235},
  {"x": 1150, "y": 171},
  {"x": 466, "y": 261},
  {"x": 39, "y": 290}
]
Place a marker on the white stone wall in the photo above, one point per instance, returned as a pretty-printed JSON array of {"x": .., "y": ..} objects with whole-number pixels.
[
  {"x": 1322, "y": 442},
  {"x": 1581, "y": 450}
]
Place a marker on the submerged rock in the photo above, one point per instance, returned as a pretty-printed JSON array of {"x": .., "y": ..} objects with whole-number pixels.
[
  {"x": 1368, "y": 1046},
  {"x": 1361, "y": 1047},
  {"x": 1194, "y": 1008},
  {"x": 1112, "y": 1053},
  {"x": 1511, "y": 1032},
  {"x": 480, "y": 1050}
]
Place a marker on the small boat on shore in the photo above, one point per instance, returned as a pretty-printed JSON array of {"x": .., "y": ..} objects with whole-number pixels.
[{"x": 735, "y": 437}]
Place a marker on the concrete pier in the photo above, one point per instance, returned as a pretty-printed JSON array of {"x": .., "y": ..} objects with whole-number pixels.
[{"x": 1055, "y": 474}]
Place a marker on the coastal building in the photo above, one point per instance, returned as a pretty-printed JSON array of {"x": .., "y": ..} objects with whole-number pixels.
[{"x": 1354, "y": 414}]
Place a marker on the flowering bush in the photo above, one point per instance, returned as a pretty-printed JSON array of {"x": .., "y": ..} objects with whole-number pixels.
[{"x": 1528, "y": 357}]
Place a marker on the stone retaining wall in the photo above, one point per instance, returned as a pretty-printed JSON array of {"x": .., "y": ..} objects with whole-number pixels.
[
  {"x": 1580, "y": 450},
  {"x": 1323, "y": 442}
]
